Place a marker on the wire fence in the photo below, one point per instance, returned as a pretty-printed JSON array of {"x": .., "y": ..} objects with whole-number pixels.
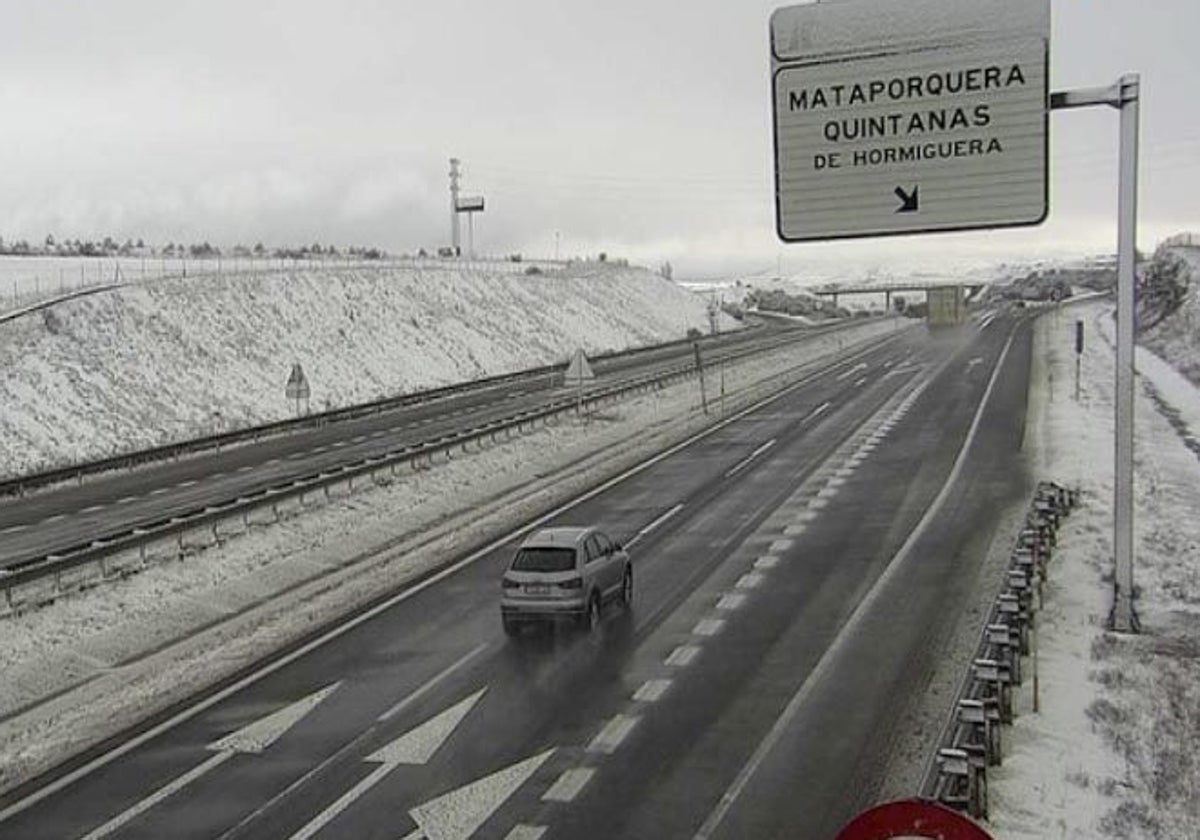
[{"x": 25, "y": 281}]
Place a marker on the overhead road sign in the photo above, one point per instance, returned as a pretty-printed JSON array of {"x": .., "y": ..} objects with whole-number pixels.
[
  {"x": 469, "y": 204},
  {"x": 909, "y": 116}
]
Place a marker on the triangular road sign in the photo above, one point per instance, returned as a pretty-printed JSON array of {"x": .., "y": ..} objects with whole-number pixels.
[{"x": 579, "y": 370}]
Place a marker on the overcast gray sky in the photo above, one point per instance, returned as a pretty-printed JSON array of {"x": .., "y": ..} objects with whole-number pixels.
[{"x": 638, "y": 127}]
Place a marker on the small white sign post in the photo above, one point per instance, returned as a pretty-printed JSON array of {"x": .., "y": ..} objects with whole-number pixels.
[
  {"x": 297, "y": 386},
  {"x": 578, "y": 372}
]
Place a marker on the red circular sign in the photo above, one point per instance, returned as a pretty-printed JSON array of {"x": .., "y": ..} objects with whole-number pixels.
[{"x": 912, "y": 818}]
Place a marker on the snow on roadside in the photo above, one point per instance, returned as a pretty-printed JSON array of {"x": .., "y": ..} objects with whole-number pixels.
[
  {"x": 1113, "y": 749},
  {"x": 100, "y": 637},
  {"x": 153, "y": 363},
  {"x": 1177, "y": 337}
]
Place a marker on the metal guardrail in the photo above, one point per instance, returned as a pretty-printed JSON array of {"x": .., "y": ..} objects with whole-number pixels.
[
  {"x": 971, "y": 742},
  {"x": 21, "y": 484},
  {"x": 43, "y": 579}
]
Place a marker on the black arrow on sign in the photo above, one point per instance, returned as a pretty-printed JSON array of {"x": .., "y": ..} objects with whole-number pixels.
[{"x": 912, "y": 201}]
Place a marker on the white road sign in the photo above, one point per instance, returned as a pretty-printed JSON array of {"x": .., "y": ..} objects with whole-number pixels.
[{"x": 874, "y": 139}]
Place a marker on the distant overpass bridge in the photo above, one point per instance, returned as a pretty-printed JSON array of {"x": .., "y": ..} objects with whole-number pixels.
[{"x": 888, "y": 289}]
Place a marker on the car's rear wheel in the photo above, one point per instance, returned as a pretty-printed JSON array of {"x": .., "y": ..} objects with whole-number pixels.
[
  {"x": 591, "y": 618},
  {"x": 627, "y": 589}
]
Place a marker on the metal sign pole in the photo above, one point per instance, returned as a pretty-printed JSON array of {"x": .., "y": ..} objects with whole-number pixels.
[{"x": 1123, "y": 96}]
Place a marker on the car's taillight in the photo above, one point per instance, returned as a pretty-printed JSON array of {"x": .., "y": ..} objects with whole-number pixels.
[
  {"x": 573, "y": 583},
  {"x": 509, "y": 584}
]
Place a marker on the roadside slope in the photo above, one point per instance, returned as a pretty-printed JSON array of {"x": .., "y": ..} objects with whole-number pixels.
[{"x": 149, "y": 364}]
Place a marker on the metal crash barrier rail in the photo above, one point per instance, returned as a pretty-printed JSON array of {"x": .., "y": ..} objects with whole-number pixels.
[{"x": 971, "y": 741}]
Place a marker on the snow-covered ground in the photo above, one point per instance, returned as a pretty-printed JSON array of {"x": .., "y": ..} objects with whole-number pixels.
[
  {"x": 90, "y": 652},
  {"x": 1113, "y": 750},
  {"x": 1177, "y": 338},
  {"x": 160, "y": 361}
]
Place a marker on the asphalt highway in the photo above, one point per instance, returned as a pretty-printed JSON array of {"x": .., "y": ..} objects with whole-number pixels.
[
  {"x": 794, "y": 570},
  {"x": 112, "y": 504}
]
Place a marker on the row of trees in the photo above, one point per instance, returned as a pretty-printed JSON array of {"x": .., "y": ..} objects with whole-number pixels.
[{"x": 109, "y": 247}]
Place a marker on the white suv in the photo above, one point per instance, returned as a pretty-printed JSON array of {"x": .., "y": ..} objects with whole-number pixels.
[{"x": 565, "y": 573}]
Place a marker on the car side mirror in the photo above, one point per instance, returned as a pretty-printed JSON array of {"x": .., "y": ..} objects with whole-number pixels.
[{"x": 618, "y": 546}]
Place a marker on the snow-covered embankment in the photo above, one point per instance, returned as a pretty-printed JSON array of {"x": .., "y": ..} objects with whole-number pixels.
[{"x": 150, "y": 364}]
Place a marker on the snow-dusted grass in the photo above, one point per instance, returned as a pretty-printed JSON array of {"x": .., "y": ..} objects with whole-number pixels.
[
  {"x": 1112, "y": 750},
  {"x": 1176, "y": 339},
  {"x": 157, "y": 362},
  {"x": 268, "y": 586}
]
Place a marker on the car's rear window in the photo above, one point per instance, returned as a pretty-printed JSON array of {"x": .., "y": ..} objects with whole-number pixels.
[{"x": 544, "y": 560}]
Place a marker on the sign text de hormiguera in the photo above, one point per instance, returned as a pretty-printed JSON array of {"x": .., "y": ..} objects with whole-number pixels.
[{"x": 925, "y": 127}]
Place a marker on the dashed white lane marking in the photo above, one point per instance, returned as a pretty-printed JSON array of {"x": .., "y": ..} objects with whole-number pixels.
[
  {"x": 191, "y": 482},
  {"x": 609, "y": 738},
  {"x": 273, "y": 461},
  {"x": 245, "y": 468},
  {"x": 683, "y": 656},
  {"x": 731, "y": 601},
  {"x": 852, "y": 371},
  {"x": 651, "y": 691},
  {"x": 158, "y": 491},
  {"x": 845, "y": 472},
  {"x": 520, "y": 831},
  {"x": 750, "y": 580},
  {"x": 806, "y": 516},
  {"x": 780, "y": 546},
  {"x": 794, "y": 530},
  {"x": 708, "y": 627},
  {"x": 835, "y": 481},
  {"x": 124, "y": 500},
  {"x": 358, "y": 439},
  {"x": 767, "y": 561},
  {"x": 378, "y": 433},
  {"x": 338, "y": 444},
  {"x": 91, "y": 509},
  {"x": 827, "y": 492},
  {"x": 858, "y": 383},
  {"x": 568, "y": 785},
  {"x": 745, "y": 462},
  {"x": 12, "y": 529},
  {"x": 818, "y": 503},
  {"x": 657, "y": 522},
  {"x": 319, "y": 449},
  {"x": 55, "y": 518},
  {"x": 821, "y": 409}
]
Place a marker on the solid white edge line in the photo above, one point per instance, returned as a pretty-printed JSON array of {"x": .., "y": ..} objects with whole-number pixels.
[
  {"x": 717, "y": 815},
  {"x": 335, "y": 632}
]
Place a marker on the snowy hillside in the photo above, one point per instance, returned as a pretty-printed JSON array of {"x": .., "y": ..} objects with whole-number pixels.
[
  {"x": 1177, "y": 337},
  {"x": 148, "y": 364}
]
